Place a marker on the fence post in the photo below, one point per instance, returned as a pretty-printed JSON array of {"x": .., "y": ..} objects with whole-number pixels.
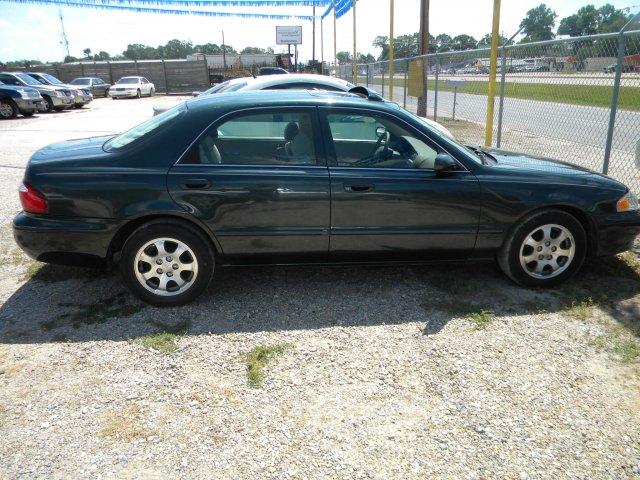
[
  {"x": 503, "y": 69},
  {"x": 404, "y": 101},
  {"x": 166, "y": 84},
  {"x": 435, "y": 91},
  {"x": 383, "y": 80},
  {"x": 110, "y": 72},
  {"x": 81, "y": 69},
  {"x": 614, "y": 105},
  {"x": 137, "y": 69},
  {"x": 367, "y": 75}
]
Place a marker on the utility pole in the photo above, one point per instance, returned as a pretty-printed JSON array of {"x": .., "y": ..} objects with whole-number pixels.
[
  {"x": 335, "y": 36},
  {"x": 65, "y": 41},
  {"x": 313, "y": 42},
  {"x": 491, "y": 91},
  {"x": 391, "y": 45},
  {"x": 424, "y": 50},
  {"x": 354, "y": 62},
  {"x": 322, "y": 46},
  {"x": 224, "y": 57}
]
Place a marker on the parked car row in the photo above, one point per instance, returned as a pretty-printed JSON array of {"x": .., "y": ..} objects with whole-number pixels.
[{"x": 29, "y": 92}]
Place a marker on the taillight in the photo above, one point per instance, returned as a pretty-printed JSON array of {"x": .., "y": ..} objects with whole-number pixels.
[{"x": 33, "y": 201}]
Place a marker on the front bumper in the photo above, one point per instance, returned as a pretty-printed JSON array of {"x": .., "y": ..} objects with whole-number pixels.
[
  {"x": 618, "y": 233},
  {"x": 66, "y": 241},
  {"x": 29, "y": 105},
  {"x": 62, "y": 101},
  {"x": 123, "y": 94}
]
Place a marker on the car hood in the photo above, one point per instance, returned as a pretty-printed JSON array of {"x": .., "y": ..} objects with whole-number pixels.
[
  {"x": 520, "y": 161},
  {"x": 70, "y": 149}
]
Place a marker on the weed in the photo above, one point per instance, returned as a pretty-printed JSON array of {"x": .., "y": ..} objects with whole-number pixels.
[
  {"x": 582, "y": 309},
  {"x": 163, "y": 342},
  {"x": 258, "y": 358},
  {"x": 628, "y": 351},
  {"x": 481, "y": 318},
  {"x": 125, "y": 425}
]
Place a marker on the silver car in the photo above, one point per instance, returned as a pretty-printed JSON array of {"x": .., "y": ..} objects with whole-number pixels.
[{"x": 81, "y": 96}]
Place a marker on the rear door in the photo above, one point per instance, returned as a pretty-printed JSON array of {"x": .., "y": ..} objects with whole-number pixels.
[
  {"x": 264, "y": 196},
  {"x": 387, "y": 201}
]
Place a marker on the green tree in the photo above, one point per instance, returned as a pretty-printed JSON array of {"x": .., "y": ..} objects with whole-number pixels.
[
  {"x": 343, "y": 57},
  {"x": 69, "y": 59},
  {"x": 443, "y": 42},
  {"x": 463, "y": 42},
  {"x": 538, "y": 24},
  {"x": 585, "y": 22},
  {"x": 102, "y": 55},
  {"x": 485, "y": 42},
  {"x": 87, "y": 52},
  {"x": 208, "y": 48}
]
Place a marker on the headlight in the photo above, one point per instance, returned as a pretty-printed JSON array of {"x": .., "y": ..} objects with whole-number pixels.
[
  {"x": 627, "y": 203},
  {"x": 58, "y": 93}
]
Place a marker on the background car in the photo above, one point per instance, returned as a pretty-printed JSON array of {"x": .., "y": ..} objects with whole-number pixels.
[
  {"x": 272, "y": 71},
  {"x": 293, "y": 81},
  {"x": 96, "y": 86},
  {"x": 132, "y": 87},
  {"x": 626, "y": 68},
  {"x": 14, "y": 100},
  {"x": 81, "y": 96},
  {"x": 298, "y": 176},
  {"x": 55, "y": 97}
]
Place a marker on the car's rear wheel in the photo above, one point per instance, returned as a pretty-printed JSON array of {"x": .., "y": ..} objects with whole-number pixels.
[
  {"x": 106, "y": 93},
  {"x": 28, "y": 114},
  {"x": 138, "y": 94},
  {"x": 8, "y": 109},
  {"x": 167, "y": 263},
  {"x": 544, "y": 249}
]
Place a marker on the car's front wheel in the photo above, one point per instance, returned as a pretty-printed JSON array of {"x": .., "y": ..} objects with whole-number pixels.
[
  {"x": 138, "y": 94},
  {"x": 544, "y": 249},
  {"x": 167, "y": 263}
]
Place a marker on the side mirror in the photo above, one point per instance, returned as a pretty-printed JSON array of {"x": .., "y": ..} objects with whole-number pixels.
[{"x": 444, "y": 163}]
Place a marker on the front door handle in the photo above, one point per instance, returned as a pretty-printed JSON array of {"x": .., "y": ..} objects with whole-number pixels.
[
  {"x": 196, "y": 184},
  {"x": 358, "y": 188}
]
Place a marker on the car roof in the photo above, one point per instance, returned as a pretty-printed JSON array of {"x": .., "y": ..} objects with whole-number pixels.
[
  {"x": 273, "y": 98},
  {"x": 271, "y": 80},
  {"x": 131, "y": 76}
]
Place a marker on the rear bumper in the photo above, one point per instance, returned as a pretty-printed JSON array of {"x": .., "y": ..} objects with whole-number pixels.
[
  {"x": 618, "y": 233},
  {"x": 68, "y": 241}
]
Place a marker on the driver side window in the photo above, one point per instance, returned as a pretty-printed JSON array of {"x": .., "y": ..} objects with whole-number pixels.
[{"x": 376, "y": 142}]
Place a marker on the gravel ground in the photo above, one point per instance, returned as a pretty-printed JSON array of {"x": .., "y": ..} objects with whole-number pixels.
[{"x": 413, "y": 372}]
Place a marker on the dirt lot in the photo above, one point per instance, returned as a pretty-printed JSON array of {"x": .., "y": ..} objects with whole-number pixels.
[{"x": 413, "y": 372}]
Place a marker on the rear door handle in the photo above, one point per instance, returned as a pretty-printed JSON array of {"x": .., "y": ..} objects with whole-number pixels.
[
  {"x": 358, "y": 188},
  {"x": 196, "y": 184}
]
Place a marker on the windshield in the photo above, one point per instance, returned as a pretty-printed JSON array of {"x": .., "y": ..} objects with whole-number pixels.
[
  {"x": 144, "y": 128},
  {"x": 128, "y": 80},
  {"x": 216, "y": 88},
  {"x": 28, "y": 79},
  {"x": 51, "y": 79},
  {"x": 81, "y": 81},
  {"x": 450, "y": 141}
]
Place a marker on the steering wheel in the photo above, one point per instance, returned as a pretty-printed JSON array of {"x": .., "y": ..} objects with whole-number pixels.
[{"x": 383, "y": 136}]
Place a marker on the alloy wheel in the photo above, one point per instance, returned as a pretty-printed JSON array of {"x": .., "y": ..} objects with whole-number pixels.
[
  {"x": 166, "y": 266},
  {"x": 547, "y": 251},
  {"x": 6, "y": 111}
]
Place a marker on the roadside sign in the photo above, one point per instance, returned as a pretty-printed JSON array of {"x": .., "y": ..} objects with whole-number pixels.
[
  {"x": 289, "y": 35},
  {"x": 416, "y": 74}
]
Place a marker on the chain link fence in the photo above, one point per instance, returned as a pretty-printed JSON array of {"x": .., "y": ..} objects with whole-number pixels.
[{"x": 575, "y": 99}]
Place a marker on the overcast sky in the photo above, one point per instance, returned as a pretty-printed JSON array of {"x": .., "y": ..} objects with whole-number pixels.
[{"x": 33, "y": 32}]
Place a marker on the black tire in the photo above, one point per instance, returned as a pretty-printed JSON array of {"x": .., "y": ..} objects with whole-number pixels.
[
  {"x": 138, "y": 94},
  {"x": 151, "y": 92},
  {"x": 77, "y": 105},
  {"x": 509, "y": 255},
  {"x": 174, "y": 229},
  {"x": 106, "y": 93},
  {"x": 8, "y": 109},
  {"x": 48, "y": 104},
  {"x": 59, "y": 109},
  {"x": 28, "y": 114}
]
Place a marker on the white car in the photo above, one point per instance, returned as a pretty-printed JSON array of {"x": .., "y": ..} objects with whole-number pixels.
[{"x": 131, "y": 87}]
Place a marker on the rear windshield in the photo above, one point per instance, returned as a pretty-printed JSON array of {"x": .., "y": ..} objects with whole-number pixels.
[{"x": 144, "y": 128}]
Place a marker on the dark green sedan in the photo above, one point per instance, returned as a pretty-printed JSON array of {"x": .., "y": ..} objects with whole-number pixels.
[{"x": 287, "y": 177}]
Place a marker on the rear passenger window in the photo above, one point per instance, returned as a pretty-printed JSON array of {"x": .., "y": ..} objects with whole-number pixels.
[{"x": 259, "y": 139}]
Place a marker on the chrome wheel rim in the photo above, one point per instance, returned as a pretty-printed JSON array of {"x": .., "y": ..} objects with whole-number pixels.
[
  {"x": 5, "y": 110},
  {"x": 166, "y": 266},
  {"x": 547, "y": 251}
]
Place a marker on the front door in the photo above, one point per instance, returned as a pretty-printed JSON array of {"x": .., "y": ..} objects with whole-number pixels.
[
  {"x": 259, "y": 181},
  {"x": 387, "y": 201}
]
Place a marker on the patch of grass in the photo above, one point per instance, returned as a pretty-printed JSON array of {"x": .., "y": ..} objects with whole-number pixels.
[
  {"x": 593, "y": 95},
  {"x": 125, "y": 425},
  {"x": 582, "y": 309},
  {"x": 481, "y": 319},
  {"x": 111, "y": 307},
  {"x": 177, "y": 328},
  {"x": 163, "y": 342},
  {"x": 628, "y": 351},
  {"x": 258, "y": 358}
]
